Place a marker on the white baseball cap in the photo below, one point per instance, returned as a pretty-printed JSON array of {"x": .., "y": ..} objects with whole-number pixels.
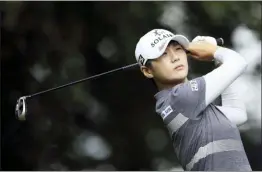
[{"x": 153, "y": 44}]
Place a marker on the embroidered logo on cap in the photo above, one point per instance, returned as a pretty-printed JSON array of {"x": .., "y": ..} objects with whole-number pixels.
[
  {"x": 141, "y": 60},
  {"x": 156, "y": 33}
]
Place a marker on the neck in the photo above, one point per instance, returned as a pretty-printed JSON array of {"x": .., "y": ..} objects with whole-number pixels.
[{"x": 162, "y": 86}]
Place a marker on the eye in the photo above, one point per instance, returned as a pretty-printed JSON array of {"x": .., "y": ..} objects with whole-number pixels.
[{"x": 179, "y": 48}]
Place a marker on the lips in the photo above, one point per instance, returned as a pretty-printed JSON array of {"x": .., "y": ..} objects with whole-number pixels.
[{"x": 179, "y": 67}]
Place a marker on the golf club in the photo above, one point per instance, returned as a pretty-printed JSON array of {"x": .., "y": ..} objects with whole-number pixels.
[{"x": 21, "y": 106}]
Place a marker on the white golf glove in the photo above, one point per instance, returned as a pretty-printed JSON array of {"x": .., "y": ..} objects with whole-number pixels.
[{"x": 208, "y": 39}]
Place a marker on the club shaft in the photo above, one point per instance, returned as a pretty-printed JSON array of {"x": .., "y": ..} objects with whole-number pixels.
[{"x": 82, "y": 80}]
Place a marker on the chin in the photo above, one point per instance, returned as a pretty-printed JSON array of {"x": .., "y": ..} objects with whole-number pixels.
[
  {"x": 177, "y": 80},
  {"x": 180, "y": 77},
  {"x": 180, "y": 80}
]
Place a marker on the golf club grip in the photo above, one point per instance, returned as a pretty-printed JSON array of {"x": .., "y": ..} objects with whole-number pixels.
[{"x": 220, "y": 41}]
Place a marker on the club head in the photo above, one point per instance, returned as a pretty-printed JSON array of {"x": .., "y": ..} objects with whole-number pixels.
[{"x": 21, "y": 109}]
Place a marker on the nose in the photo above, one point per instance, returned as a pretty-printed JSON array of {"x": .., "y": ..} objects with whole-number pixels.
[{"x": 174, "y": 57}]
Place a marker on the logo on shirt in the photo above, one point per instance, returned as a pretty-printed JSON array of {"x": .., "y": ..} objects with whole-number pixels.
[
  {"x": 166, "y": 112},
  {"x": 194, "y": 85}
]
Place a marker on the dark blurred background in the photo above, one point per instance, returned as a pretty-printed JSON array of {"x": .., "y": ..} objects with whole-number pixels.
[{"x": 108, "y": 123}]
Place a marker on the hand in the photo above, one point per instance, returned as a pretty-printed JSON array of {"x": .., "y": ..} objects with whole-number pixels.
[
  {"x": 208, "y": 39},
  {"x": 202, "y": 50}
]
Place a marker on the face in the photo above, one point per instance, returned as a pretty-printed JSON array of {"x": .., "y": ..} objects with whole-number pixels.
[{"x": 171, "y": 67}]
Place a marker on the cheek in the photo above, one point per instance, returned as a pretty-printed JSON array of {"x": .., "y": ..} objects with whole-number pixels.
[
  {"x": 162, "y": 70},
  {"x": 184, "y": 59},
  {"x": 186, "y": 65}
]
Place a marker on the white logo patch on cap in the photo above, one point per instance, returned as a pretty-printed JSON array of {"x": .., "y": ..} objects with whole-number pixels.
[{"x": 166, "y": 112}]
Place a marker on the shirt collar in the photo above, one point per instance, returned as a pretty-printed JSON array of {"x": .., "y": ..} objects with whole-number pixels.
[
  {"x": 162, "y": 93},
  {"x": 165, "y": 92}
]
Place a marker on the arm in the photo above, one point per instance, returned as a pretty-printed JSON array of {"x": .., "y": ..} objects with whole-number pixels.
[
  {"x": 192, "y": 101},
  {"x": 232, "y": 105},
  {"x": 233, "y": 65}
]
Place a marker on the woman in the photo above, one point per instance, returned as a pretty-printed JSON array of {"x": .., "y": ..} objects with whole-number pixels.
[{"x": 205, "y": 136}]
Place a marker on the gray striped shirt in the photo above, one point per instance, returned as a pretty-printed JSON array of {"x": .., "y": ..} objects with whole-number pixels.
[{"x": 203, "y": 137}]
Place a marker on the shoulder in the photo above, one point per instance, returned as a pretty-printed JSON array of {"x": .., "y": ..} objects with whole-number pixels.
[{"x": 189, "y": 89}]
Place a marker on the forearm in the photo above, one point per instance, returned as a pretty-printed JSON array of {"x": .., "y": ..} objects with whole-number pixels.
[
  {"x": 233, "y": 65},
  {"x": 231, "y": 96}
]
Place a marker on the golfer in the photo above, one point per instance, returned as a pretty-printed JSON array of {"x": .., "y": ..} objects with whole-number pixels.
[{"x": 205, "y": 136}]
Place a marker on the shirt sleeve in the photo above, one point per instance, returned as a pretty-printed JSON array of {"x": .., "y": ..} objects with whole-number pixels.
[{"x": 189, "y": 98}]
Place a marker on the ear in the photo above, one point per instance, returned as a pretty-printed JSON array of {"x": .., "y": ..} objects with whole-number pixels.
[{"x": 147, "y": 71}]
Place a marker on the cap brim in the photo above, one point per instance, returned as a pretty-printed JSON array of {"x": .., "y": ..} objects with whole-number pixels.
[{"x": 182, "y": 40}]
